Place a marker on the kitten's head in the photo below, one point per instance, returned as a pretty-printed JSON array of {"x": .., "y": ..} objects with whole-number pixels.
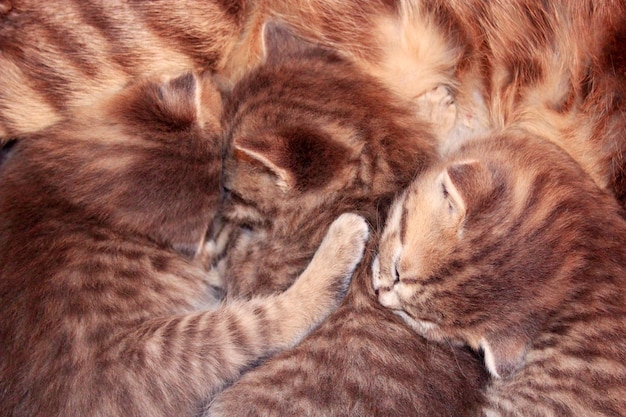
[
  {"x": 309, "y": 137},
  {"x": 147, "y": 160},
  {"x": 483, "y": 247},
  {"x": 307, "y": 132}
]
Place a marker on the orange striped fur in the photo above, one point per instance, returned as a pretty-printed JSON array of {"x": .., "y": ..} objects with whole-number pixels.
[{"x": 507, "y": 246}]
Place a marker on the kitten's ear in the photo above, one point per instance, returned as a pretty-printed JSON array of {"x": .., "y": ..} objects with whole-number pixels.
[
  {"x": 279, "y": 41},
  {"x": 464, "y": 183},
  {"x": 302, "y": 158},
  {"x": 160, "y": 106},
  {"x": 504, "y": 354},
  {"x": 265, "y": 152}
]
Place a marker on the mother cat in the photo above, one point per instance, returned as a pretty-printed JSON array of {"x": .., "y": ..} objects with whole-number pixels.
[{"x": 529, "y": 63}]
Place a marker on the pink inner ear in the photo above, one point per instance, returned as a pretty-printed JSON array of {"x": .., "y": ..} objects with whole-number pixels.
[
  {"x": 471, "y": 180},
  {"x": 266, "y": 152}
]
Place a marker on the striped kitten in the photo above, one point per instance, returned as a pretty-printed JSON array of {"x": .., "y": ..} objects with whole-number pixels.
[
  {"x": 526, "y": 63},
  {"x": 507, "y": 246},
  {"x": 310, "y": 136},
  {"x": 104, "y": 308}
]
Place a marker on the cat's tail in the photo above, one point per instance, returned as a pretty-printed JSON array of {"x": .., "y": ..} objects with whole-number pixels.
[{"x": 418, "y": 53}]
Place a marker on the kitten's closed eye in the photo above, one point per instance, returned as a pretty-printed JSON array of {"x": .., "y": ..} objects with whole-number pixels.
[{"x": 395, "y": 273}]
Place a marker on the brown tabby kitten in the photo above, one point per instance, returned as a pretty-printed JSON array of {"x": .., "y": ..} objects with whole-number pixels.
[
  {"x": 310, "y": 137},
  {"x": 529, "y": 63},
  {"x": 103, "y": 309},
  {"x": 509, "y": 247}
]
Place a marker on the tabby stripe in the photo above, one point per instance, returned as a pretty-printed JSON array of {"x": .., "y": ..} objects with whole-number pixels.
[
  {"x": 255, "y": 105},
  {"x": 71, "y": 48},
  {"x": 45, "y": 80},
  {"x": 169, "y": 341},
  {"x": 538, "y": 18},
  {"x": 260, "y": 314},
  {"x": 237, "y": 334},
  {"x": 488, "y": 249},
  {"x": 176, "y": 29},
  {"x": 193, "y": 328},
  {"x": 114, "y": 32},
  {"x": 239, "y": 200},
  {"x": 235, "y": 9},
  {"x": 403, "y": 222}
]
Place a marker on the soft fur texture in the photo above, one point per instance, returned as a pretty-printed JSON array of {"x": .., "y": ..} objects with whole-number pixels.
[
  {"x": 509, "y": 247},
  {"x": 105, "y": 309},
  {"x": 310, "y": 137},
  {"x": 59, "y": 56},
  {"x": 526, "y": 63},
  {"x": 536, "y": 66}
]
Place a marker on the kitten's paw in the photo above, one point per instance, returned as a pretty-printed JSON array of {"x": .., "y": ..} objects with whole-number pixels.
[
  {"x": 345, "y": 241},
  {"x": 340, "y": 252},
  {"x": 438, "y": 107},
  {"x": 321, "y": 287}
]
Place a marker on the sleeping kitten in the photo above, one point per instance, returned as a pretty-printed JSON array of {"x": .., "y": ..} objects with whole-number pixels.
[
  {"x": 526, "y": 63},
  {"x": 507, "y": 246},
  {"x": 309, "y": 137},
  {"x": 104, "y": 308}
]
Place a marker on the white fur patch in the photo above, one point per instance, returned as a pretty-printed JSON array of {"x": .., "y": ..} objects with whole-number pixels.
[{"x": 490, "y": 361}]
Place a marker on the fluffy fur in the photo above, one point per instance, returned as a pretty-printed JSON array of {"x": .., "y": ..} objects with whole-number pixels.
[
  {"x": 310, "y": 136},
  {"x": 105, "y": 308},
  {"x": 526, "y": 63},
  {"x": 62, "y": 55},
  {"x": 507, "y": 246}
]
